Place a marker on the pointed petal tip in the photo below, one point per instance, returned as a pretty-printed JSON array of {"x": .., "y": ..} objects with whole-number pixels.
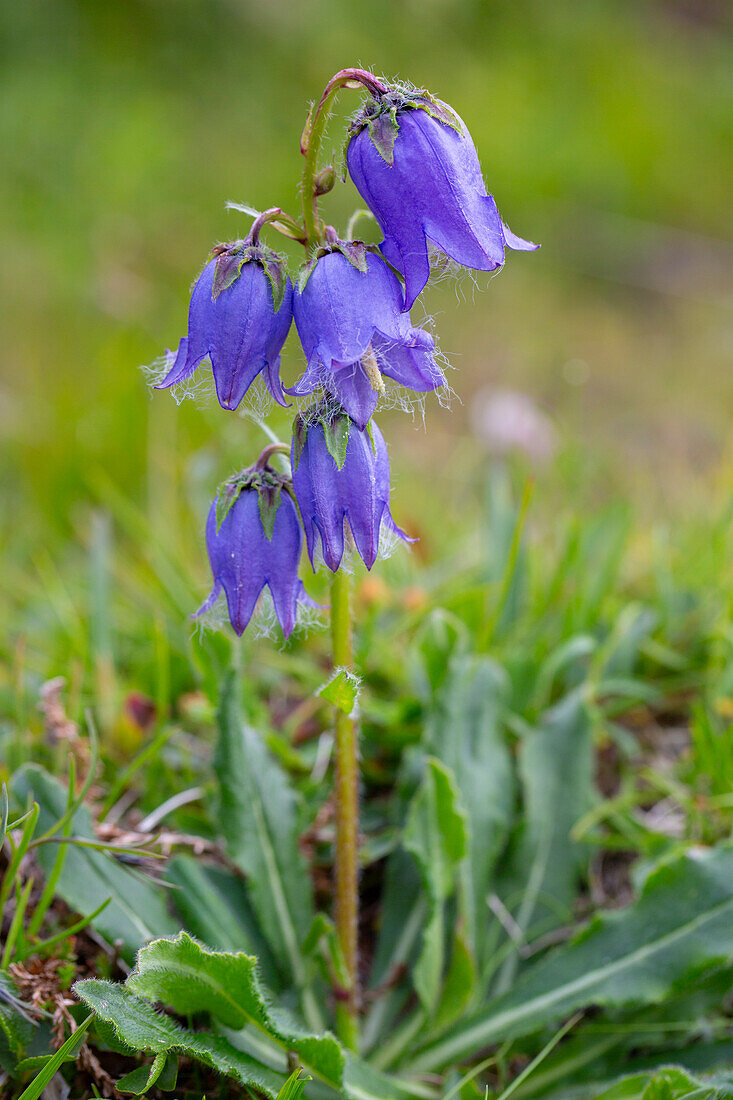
[{"x": 517, "y": 244}]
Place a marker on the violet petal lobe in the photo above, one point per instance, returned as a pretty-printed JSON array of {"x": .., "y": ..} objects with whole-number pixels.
[{"x": 351, "y": 386}]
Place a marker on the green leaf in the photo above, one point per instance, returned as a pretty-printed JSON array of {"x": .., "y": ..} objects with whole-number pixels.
[
  {"x": 680, "y": 928},
  {"x": 257, "y": 816},
  {"x": 65, "y": 1052},
  {"x": 4, "y": 814},
  {"x": 293, "y": 1087},
  {"x": 336, "y": 436},
  {"x": 216, "y": 908},
  {"x": 556, "y": 770},
  {"x": 142, "y": 1078},
  {"x": 402, "y": 918},
  {"x": 459, "y": 985},
  {"x": 440, "y": 637},
  {"x": 670, "y": 1083},
  {"x": 15, "y": 1025},
  {"x": 464, "y": 730},
  {"x": 436, "y": 835},
  {"x": 342, "y": 690},
  {"x": 137, "y": 911},
  {"x": 190, "y": 979},
  {"x": 140, "y": 1026}
]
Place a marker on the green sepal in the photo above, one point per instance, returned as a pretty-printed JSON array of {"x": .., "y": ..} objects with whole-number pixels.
[
  {"x": 383, "y": 131},
  {"x": 370, "y": 432},
  {"x": 424, "y": 101},
  {"x": 229, "y": 266},
  {"x": 355, "y": 252},
  {"x": 231, "y": 259},
  {"x": 227, "y": 497},
  {"x": 277, "y": 277},
  {"x": 269, "y": 500},
  {"x": 300, "y": 434},
  {"x": 305, "y": 272},
  {"x": 381, "y": 116},
  {"x": 336, "y": 436}
]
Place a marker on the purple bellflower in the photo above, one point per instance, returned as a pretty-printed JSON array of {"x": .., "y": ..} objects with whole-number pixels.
[
  {"x": 341, "y": 476},
  {"x": 240, "y": 314},
  {"x": 414, "y": 164},
  {"x": 254, "y": 539},
  {"x": 349, "y": 313}
]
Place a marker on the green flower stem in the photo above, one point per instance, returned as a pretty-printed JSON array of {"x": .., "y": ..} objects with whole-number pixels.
[
  {"x": 346, "y": 887},
  {"x": 346, "y": 856},
  {"x": 310, "y": 144}
]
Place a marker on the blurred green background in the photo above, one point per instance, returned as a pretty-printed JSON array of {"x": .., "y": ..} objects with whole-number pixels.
[{"x": 605, "y": 131}]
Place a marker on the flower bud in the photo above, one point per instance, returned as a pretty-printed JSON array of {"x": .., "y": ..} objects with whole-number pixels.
[{"x": 324, "y": 180}]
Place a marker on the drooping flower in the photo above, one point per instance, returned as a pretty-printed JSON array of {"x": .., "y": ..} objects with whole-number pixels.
[
  {"x": 414, "y": 164},
  {"x": 341, "y": 478},
  {"x": 254, "y": 539},
  {"x": 240, "y": 314},
  {"x": 349, "y": 313}
]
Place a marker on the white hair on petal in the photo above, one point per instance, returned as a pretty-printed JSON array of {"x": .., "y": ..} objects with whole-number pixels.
[
  {"x": 199, "y": 387},
  {"x": 215, "y": 617},
  {"x": 389, "y": 542},
  {"x": 264, "y": 622},
  {"x": 258, "y": 400}
]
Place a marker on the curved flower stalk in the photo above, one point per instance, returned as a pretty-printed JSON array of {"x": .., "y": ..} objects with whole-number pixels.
[
  {"x": 349, "y": 313},
  {"x": 240, "y": 315},
  {"x": 341, "y": 480},
  {"x": 254, "y": 540},
  {"x": 414, "y": 164}
]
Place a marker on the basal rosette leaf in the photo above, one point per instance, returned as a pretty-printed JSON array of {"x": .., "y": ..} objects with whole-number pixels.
[{"x": 680, "y": 928}]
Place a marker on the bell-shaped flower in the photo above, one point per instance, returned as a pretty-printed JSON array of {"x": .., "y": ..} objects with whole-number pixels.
[
  {"x": 240, "y": 314},
  {"x": 414, "y": 164},
  {"x": 349, "y": 313},
  {"x": 341, "y": 480},
  {"x": 254, "y": 539}
]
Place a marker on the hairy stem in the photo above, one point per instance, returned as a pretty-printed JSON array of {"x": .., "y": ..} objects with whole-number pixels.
[
  {"x": 346, "y": 886},
  {"x": 310, "y": 143}
]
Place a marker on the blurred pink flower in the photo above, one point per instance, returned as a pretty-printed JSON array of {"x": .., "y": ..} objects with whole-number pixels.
[{"x": 506, "y": 420}]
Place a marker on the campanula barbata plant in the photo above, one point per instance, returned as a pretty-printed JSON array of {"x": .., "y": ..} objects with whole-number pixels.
[{"x": 414, "y": 164}]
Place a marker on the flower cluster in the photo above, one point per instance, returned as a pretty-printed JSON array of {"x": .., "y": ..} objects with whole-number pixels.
[{"x": 413, "y": 162}]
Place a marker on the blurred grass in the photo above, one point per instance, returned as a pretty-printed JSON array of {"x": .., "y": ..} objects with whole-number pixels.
[{"x": 605, "y": 133}]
